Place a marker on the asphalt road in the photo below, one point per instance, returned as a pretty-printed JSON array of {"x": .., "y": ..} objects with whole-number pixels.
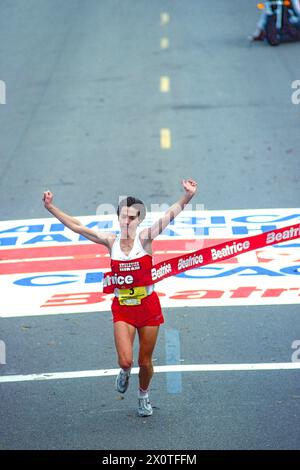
[{"x": 83, "y": 117}]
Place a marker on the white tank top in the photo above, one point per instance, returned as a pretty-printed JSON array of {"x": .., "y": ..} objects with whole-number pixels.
[{"x": 137, "y": 250}]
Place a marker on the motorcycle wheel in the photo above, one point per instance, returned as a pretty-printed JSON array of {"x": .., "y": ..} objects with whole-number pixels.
[
  {"x": 271, "y": 31},
  {"x": 293, "y": 32}
]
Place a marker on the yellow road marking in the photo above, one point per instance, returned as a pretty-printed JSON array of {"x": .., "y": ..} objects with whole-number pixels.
[
  {"x": 164, "y": 43},
  {"x": 165, "y": 138},
  {"x": 164, "y": 84},
  {"x": 164, "y": 18}
]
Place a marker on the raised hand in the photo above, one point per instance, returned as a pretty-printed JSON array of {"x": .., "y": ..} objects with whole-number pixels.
[
  {"x": 190, "y": 186},
  {"x": 47, "y": 198}
]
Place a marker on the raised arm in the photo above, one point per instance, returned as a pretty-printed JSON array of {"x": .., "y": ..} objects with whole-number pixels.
[
  {"x": 74, "y": 224},
  {"x": 190, "y": 188}
]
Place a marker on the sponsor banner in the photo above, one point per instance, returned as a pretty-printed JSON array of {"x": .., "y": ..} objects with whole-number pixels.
[
  {"x": 46, "y": 269},
  {"x": 139, "y": 274}
]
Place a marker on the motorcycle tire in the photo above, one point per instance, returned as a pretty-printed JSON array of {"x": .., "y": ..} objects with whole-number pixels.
[
  {"x": 293, "y": 32},
  {"x": 271, "y": 31}
]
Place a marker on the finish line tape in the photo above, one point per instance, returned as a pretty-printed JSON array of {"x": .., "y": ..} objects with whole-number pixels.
[{"x": 196, "y": 259}]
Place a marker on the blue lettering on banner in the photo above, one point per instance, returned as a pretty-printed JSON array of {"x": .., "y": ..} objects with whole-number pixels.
[
  {"x": 241, "y": 271},
  {"x": 170, "y": 233},
  {"x": 25, "y": 229},
  {"x": 90, "y": 278},
  {"x": 217, "y": 220},
  {"x": 48, "y": 238},
  {"x": 206, "y": 226},
  {"x": 28, "y": 281},
  {"x": 57, "y": 228},
  {"x": 93, "y": 278},
  {"x": 190, "y": 221},
  {"x": 245, "y": 219},
  {"x": 204, "y": 230},
  {"x": 290, "y": 245},
  {"x": 291, "y": 270},
  {"x": 8, "y": 241},
  {"x": 13, "y": 241},
  {"x": 100, "y": 224},
  {"x": 244, "y": 230}
]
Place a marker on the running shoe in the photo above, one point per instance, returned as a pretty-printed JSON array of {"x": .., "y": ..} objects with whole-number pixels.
[
  {"x": 122, "y": 381},
  {"x": 144, "y": 408}
]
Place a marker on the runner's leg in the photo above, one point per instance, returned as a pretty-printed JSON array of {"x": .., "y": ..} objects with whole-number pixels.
[
  {"x": 148, "y": 336},
  {"x": 124, "y": 337}
]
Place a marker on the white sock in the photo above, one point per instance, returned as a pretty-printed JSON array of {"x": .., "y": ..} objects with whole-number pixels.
[
  {"x": 142, "y": 393},
  {"x": 127, "y": 371}
]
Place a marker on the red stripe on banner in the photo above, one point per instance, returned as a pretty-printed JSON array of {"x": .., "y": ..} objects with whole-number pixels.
[
  {"x": 85, "y": 256},
  {"x": 48, "y": 251},
  {"x": 53, "y": 258}
]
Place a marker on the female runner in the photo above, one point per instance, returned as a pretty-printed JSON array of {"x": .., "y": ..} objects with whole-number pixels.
[{"x": 140, "y": 309}]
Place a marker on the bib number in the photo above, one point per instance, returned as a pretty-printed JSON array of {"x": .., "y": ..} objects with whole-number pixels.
[{"x": 132, "y": 296}]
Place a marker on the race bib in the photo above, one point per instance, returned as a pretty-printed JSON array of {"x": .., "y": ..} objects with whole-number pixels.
[{"x": 132, "y": 296}]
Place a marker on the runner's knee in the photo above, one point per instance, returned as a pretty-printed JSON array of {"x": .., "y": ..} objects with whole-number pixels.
[
  {"x": 125, "y": 363},
  {"x": 145, "y": 362}
]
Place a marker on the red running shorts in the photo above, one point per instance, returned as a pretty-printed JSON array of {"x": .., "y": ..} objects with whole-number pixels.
[{"x": 148, "y": 313}]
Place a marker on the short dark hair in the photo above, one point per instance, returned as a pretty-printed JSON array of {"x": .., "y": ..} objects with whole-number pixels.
[{"x": 136, "y": 203}]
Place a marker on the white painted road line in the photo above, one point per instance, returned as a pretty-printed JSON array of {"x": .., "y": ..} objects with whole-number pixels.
[{"x": 158, "y": 369}]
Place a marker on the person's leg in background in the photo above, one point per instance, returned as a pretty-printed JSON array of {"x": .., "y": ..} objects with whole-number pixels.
[{"x": 260, "y": 34}]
